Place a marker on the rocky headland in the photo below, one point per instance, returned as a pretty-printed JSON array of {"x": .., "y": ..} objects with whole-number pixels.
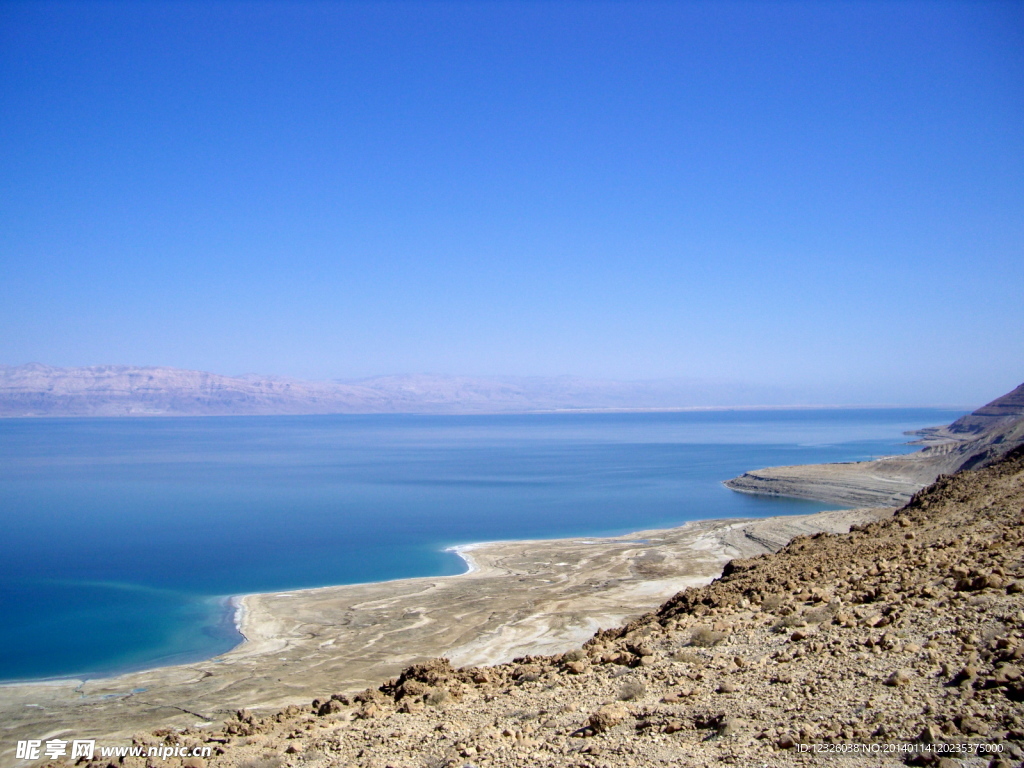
[{"x": 974, "y": 440}]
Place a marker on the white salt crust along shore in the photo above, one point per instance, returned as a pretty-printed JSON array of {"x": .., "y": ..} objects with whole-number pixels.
[
  {"x": 238, "y": 604},
  {"x": 463, "y": 551},
  {"x": 515, "y": 598}
]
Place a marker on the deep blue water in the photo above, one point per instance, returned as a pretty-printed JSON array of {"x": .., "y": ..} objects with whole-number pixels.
[{"x": 122, "y": 537}]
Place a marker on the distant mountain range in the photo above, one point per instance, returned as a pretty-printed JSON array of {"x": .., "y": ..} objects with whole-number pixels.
[{"x": 113, "y": 390}]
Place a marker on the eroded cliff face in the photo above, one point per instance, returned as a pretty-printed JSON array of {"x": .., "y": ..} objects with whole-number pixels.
[
  {"x": 975, "y": 440},
  {"x": 905, "y": 631},
  {"x": 1000, "y": 412}
]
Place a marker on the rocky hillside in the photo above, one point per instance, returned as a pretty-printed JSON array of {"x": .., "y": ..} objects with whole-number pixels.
[
  {"x": 906, "y": 632},
  {"x": 1001, "y": 412},
  {"x": 975, "y": 440}
]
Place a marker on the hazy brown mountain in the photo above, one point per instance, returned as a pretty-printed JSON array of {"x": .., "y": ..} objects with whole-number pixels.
[{"x": 112, "y": 390}]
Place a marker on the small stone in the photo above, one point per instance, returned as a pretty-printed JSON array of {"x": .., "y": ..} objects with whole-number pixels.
[
  {"x": 576, "y": 667},
  {"x": 642, "y": 649},
  {"x": 973, "y": 725},
  {"x": 330, "y": 707},
  {"x": 968, "y": 673},
  {"x": 1006, "y": 673},
  {"x": 677, "y": 695},
  {"x": 369, "y": 711},
  {"x": 730, "y": 726},
  {"x": 994, "y": 581},
  {"x": 607, "y": 717},
  {"x": 528, "y": 672},
  {"x": 899, "y": 677}
]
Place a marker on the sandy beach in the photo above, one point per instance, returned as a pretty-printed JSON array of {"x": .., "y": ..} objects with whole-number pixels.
[{"x": 516, "y": 598}]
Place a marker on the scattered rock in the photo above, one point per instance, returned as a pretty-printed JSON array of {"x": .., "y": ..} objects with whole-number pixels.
[
  {"x": 899, "y": 677},
  {"x": 607, "y": 717},
  {"x": 786, "y": 741}
]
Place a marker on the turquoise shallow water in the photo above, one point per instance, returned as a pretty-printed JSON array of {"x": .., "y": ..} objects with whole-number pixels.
[{"x": 123, "y": 537}]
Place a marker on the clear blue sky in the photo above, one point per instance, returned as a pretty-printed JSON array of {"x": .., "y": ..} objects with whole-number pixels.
[{"x": 828, "y": 195}]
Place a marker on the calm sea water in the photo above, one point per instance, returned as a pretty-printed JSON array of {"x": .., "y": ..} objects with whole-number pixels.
[{"x": 123, "y": 537}]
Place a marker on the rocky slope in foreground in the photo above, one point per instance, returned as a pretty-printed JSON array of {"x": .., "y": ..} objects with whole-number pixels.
[
  {"x": 908, "y": 632},
  {"x": 974, "y": 440}
]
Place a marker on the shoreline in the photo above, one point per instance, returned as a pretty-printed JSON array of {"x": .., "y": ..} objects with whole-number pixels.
[
  {"x": 233, "y": 610},
  {"x": 463, "y": 550},
  {"x": 237, "y": 602},
  {"x": 237, "y": 608},
  {"x": 526, "y": 597},
  {"x": 237, "y": 605}
]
